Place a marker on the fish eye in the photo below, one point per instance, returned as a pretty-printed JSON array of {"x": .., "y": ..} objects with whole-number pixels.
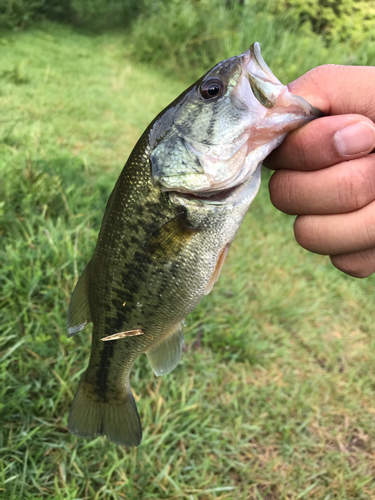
[{"x": 210, "y": 88}]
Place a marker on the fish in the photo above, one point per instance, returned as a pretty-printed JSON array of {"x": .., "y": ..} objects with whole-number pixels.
[{"x": 167, "y": 228}]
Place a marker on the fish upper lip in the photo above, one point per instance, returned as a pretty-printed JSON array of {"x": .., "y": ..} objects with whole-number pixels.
[
  {"x": 253, "y": 54},
  {"x": 269, "y": 91}
]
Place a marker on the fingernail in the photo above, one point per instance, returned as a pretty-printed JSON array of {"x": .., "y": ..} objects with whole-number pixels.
[{"x": 354, "y": 139}]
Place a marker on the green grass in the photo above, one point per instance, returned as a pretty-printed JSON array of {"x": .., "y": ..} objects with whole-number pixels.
[{"x": 273, "y": 398}]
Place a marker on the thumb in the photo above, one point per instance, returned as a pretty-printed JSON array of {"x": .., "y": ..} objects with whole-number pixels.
[{"x": 337, "y": 90}]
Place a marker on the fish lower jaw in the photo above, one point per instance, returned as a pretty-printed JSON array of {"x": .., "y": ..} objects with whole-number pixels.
[
  {"x": 219, "y": 192},
  {"x": 231, "y": 195},
  {"x": 219, "y": 196},
  {"x": 223, "y": 190}
]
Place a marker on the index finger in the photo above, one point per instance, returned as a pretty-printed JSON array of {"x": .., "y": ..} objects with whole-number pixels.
[{"x": 338, "y": 90}]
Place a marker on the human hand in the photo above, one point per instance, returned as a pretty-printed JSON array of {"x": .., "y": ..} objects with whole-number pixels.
[{"x": 325, "y": 172}]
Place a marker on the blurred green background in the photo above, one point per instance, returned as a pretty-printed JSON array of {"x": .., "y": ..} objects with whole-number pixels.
[{"x": 274, "y": 396}]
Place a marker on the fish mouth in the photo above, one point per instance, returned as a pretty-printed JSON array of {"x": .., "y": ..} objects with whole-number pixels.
[
  {"x": 233, "y": 195},
  {"x": 212, "y": 197},
  {"x": 269, "y": 91}
]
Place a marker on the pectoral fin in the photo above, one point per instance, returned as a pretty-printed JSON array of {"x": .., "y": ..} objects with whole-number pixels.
[
  {"x": 170, "y": 238},
  {"x": 79, "y": 308},
  {"x": 165, "y": 356}
]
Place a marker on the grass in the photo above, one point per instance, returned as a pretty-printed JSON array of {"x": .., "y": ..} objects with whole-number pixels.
[{"x": 273, "y": 398}]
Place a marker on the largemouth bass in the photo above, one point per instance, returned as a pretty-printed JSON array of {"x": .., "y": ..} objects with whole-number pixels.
[{"x": 168, "y": 225}]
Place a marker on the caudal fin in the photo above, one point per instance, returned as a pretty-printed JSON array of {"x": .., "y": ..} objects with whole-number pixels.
[{"x": 116, "y": 419}]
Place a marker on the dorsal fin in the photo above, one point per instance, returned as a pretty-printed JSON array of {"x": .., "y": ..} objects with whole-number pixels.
[
  {"x": 165, "y": 356},
  {"x": 79, "y": 307}
]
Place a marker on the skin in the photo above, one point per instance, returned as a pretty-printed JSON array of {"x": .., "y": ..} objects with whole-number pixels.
[
  {"x": 161, "y": 245},
  {"x": 325, "y": 171}
]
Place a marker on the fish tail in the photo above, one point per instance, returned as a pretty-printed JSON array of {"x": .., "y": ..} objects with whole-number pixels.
[{"x": 116, "y": 418}]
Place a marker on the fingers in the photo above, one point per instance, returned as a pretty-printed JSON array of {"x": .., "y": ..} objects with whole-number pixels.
[
  {"x": 339, "y": 233},
  {"x": 343, "y": 188},
  {"x": 357, "y": 264},
  {"x": 325, "y": 142},
  {"x": 326, "y": 171},
  {"x": 339, "y": 90}
]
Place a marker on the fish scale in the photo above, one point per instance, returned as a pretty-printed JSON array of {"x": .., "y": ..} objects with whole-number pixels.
[{"x": 168, "y": 225}]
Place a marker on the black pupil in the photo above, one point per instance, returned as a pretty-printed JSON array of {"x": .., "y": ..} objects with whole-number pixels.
[{"x": 213, "y": 89}]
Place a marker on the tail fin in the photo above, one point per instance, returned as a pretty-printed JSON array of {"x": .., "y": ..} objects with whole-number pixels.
[{"x": 117, "y": 419}]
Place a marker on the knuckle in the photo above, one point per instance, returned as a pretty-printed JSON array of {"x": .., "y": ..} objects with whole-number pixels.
[
  {"x": 305, "y": 231},
  {"x": 353, "y": 265},
  {"x": 315, "y": 80},
  {"x": 363, "y": 190},
  {"x": 281, "y": 190},
  {"x": 354, "y": 190},
  {"x": 273, "y": 187},
  {"x": 302, "y": 148},
  {"x": 319, "y": 74},
  {"x": 366, "y": 223},
  {"x": 315, "y": 77}
]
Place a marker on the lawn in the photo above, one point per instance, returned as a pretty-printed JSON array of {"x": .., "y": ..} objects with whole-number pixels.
[{"x": 274, "y": 395}]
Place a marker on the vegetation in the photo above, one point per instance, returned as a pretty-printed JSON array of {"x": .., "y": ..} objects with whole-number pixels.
[
  {"x": 274, "y": 396},
  {"x": 93, "y": 14},
  {"x": 186, "y": 38},
  {"x": 335, "y": 19}
]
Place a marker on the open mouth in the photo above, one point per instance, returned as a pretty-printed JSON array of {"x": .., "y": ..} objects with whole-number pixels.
[{"x": 210, "y": 196}]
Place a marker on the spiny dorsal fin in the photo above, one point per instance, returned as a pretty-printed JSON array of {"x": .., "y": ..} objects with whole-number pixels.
[
  {"x": 79, "y": 308},
  {"x": 165, "y": 356}
]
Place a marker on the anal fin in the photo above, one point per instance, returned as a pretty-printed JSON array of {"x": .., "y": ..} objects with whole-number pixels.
[
  {"x": 165, "y": 356},
  {"x": 79, "y": 307}
]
